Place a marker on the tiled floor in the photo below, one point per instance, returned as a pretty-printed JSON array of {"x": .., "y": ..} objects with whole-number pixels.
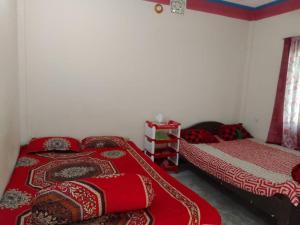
[{"x": 230, "y": 209}]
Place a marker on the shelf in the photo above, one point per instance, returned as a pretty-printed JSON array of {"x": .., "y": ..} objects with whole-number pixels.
[
  {"x": 164, "y": 126},
  {"x": 161, "y": 143},
  {"x": 167, "y": 165},
  {"x": 172, "y": 139},
  {"x": 163, "y": 153}
]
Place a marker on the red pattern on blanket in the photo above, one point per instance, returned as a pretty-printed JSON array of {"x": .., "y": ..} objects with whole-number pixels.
[
  {"x": 262, "y": 155},
  {"x": 85, "y": 199},
  {"x": 173, "y": 202},
  {"x": 245, "y": 150}
]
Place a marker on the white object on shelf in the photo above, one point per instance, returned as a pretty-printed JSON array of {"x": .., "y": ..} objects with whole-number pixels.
[{"x": 159, "y": 118}]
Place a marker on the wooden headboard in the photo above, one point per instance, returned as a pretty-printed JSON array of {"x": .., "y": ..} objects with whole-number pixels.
[{"x": 211, "y": 126}]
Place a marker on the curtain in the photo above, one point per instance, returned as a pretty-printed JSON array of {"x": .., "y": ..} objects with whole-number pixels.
[
  {"x": 291, "y": 110},
  {"x": 276, "y": 127}
]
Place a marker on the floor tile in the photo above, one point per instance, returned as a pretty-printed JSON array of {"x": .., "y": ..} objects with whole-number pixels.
[{"x": 231, "y": 210}]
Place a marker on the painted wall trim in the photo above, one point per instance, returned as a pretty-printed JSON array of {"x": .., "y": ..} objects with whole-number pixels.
[
  {"x": 221, "y": 7},
  {"x": 247, "y": 7}
]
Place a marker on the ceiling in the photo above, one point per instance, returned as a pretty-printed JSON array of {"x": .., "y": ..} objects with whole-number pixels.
[{"x": 241, "y": 9}]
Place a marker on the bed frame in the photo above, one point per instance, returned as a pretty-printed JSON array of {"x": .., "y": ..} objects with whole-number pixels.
[{"x": 277, "y": 207}]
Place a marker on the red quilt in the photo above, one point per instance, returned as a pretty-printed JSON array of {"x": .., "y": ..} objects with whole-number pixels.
[{"x": 173, "y": 202}]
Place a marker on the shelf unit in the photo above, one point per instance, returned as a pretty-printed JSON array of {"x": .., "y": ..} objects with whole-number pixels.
[{"x": 163, "y": 151}]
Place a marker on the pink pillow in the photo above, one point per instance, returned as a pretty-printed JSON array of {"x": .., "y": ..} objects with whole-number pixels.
[
  {"x": 231, "y": 132},
  {"x": 104, "y": 142},
  {"x": 196, "y": 136}
]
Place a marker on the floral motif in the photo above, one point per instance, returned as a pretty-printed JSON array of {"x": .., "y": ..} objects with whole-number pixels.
[
  {"x": 141, "y": 217},
  {"x": 148, "y": 190},
  {"x": 115, "y": 154},
  {"x": 111, "y": 175},
  {"x": 69, "y": 169},
  {"x": 58, "y": 144},
  {"x": 60, "y": 155},
  {"x": 13, "y": 199},
  {"x": 67, "y": 202},
  {"x": 104, "y": 142},
  {"x": 26, "y": 161},
  {"x": 73, "y": 172},
  {"x": 44, "y": 218}
]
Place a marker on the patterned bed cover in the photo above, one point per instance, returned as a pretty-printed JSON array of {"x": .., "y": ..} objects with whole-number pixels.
[
  {"x": 249, "y": 164},
  {"x": 173, "y": 202}
]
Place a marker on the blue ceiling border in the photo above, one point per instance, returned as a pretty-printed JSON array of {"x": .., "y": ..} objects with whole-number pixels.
[{"x": 247, "y": 7}]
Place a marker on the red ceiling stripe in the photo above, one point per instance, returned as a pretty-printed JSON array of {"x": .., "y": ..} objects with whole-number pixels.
[
  {"x": 165, "y": 2},
  {"x": 277, "y": 9},
  {"x": 239, "y": 13}
]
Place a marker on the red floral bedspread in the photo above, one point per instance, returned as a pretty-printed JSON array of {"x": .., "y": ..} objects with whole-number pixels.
[
  {"x": 247, "y": 164},
  {"x": 173, "y": 202}
]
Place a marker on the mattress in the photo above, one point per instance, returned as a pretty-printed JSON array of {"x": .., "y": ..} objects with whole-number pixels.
[
  {"x": 173, "y": 203},
  {"x": 248, "y": 164}
]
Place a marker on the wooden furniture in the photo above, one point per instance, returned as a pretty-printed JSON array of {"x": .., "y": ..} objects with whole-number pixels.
[
  {"x": 277, "y": 207},
  {"x": 161, "y": 144}
]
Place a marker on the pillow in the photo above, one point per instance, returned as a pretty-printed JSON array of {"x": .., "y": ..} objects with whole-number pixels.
[
  {"x": 233, "y": 131},
  {"x": 24, "y": 149},
  {"x": 46, "y": 144},
  {"x": 76, "y": 201},
  {"x": 296, "y": 173},
  {"x": 198, "y": 136},
  {"x": 104, "y": 142}
]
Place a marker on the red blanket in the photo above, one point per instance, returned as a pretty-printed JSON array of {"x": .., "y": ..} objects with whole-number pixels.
[
  {"x": 173, "y": 202},
  {"x": 88, "y": 198}
]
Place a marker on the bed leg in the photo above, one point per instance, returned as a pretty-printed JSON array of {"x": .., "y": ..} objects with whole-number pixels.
[
  {"x": 289, "y": 215},
  {"x": 283, "y": 220}
]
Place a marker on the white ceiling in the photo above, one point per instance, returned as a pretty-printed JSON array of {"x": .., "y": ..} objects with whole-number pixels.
[{"x": 251, "y": 3}]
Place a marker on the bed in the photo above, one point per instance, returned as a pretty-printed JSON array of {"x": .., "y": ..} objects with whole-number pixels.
[
  {"x": 259, "y": 173},
  {"x": 173, "y": 203}
]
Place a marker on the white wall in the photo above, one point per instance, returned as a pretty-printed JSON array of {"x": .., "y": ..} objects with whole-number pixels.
[
  {"x": 9, "y": 133},
  {"x": 94, "y": 67},
  {"x": 265, "y": 51},
  {"x": 105, "y": 66}
]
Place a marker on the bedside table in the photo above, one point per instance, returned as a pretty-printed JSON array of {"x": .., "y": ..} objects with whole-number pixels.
[{"x": 161, "y": 144}]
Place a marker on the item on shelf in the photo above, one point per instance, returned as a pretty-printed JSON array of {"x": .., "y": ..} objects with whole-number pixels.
[
  {"x": 159, "y": 118},
  {"x": 160, "y": 135},
  {"x": 168, "y": 165}
]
